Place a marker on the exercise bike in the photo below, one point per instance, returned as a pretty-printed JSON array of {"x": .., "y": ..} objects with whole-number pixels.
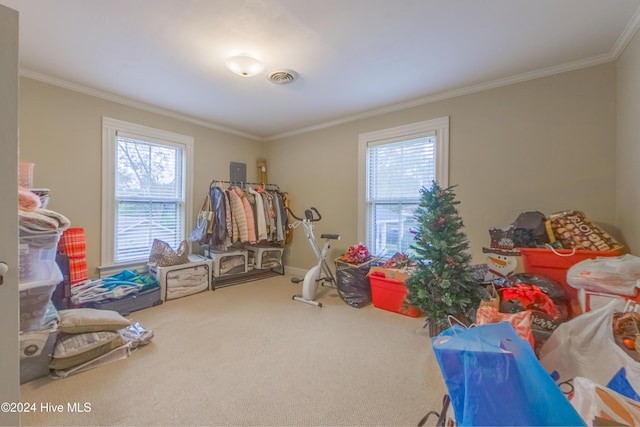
[{"x": 319, "y": 273}]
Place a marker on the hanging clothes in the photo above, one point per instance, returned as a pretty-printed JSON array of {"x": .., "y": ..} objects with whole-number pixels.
[
  {"x": 270, "y": 215},
  {"x": 239, "y": 220},
  {"x": 251, "y": 215},
  {"x": 283, "y": 215},
  {"x": 279, "y": 228},
  {"x": 248, "y": 214},
  {"x": 219, "y": 208},
  {"x": 261, "y": 221},
  {"x": 288, "y": 234}
]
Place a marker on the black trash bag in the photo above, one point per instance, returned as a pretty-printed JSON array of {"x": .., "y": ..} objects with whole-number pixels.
[
  {"x": 353, "y": 284},
  {"x": 549, "y": 286}
]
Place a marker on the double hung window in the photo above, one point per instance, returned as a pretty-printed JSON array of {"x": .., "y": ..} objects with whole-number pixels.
[
  {"x": 394, "y": 165},
  {"x": 146, "y": 190}
]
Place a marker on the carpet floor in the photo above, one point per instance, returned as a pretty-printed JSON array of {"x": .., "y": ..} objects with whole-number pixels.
[{"x": 248, "y": 355}]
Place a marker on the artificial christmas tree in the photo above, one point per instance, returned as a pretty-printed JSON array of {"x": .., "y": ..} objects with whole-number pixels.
[{"x": 442, "y": 283}]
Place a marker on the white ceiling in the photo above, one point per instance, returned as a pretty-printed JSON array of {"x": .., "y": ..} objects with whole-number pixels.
[{"x": 354, "y": 57}]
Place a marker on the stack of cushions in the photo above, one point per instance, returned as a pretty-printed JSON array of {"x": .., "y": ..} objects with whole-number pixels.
[{"x": 86, "y": 333}]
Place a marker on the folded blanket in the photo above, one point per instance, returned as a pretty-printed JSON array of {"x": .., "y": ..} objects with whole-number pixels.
[
  {"x": 42, "y": 221},
  {"x": 50, "y": 318}
]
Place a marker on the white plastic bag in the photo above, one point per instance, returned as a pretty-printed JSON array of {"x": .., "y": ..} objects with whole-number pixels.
[
  {"x": 585, "y": 347},
  {"x": 615, "y": 275},
  {"x": 596, "y": 403}
]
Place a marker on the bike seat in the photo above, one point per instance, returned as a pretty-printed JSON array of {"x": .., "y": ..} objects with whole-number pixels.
[{"x": 330, "y": 236}]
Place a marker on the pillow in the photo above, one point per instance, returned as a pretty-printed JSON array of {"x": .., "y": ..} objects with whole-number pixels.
[
  {"x": 76, "y": 349},
  {"x": 81, "y": 320}
]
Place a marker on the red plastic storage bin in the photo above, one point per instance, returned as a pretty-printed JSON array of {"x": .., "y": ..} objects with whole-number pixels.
[
  {"x": 390, "y": 295},
  {"x": 554, "y": 263}
]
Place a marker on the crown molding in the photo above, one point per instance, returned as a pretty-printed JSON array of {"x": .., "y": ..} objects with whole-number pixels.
[
  {"x": 626, "y": 36},
  {"x": 467, "y": 90},
  {"x": 629, "y": 32},
  {"x": 131, "y": 103},
  {"x": 622, "y": 42}
]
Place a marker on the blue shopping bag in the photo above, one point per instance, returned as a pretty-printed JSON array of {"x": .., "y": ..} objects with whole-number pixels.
[{"x": 494, "y": 379}]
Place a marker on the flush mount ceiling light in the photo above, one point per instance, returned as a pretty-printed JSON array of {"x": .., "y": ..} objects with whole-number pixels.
[{"x": 244, "y": 65}]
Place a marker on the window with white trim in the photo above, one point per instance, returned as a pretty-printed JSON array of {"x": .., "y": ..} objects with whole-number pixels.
[
  {"x": 394, "y": 164},
  {"x": 146, "y": 190}
]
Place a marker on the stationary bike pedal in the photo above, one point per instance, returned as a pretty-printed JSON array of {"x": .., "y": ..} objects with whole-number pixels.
[{"x": 296, "y": 280}]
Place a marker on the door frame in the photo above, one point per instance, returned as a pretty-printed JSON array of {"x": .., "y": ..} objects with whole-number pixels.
[{"x": 9, "y": 293}]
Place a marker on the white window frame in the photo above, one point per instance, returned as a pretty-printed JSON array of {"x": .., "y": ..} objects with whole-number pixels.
[
  {"x": 110, "y": 130},
  {"x": 439, "y": 126}
]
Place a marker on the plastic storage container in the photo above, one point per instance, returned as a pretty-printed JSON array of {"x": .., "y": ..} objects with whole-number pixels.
[
  {"x": 264, "y": 257},
  {"x": 36, "y": 350},
  {"x": 35, "y": 295},
  {"x": 226, "y": 263},
  {"x": 44, "y": 194},
  {"x": 554, "y": 263},
  {"x": 25, "y": 174},
  {"x": 389, "y": 294},
  {"x": 181, "y": 280},
  {"x": 38, "y": 256}
]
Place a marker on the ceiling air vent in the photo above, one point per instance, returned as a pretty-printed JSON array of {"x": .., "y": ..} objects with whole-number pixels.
[{"x": 281, "y": 77}]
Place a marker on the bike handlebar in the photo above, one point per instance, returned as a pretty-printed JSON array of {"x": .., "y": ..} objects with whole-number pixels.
[{"x": 308, "y": 213}]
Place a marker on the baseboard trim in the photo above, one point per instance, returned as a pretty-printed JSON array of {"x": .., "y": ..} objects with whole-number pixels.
[{"x": 294, "y": 271}]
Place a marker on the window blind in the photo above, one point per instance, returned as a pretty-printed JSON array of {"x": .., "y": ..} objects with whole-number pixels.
[
  {"x": 149, "y": 197},
  {"x": 396, "y": 171}
]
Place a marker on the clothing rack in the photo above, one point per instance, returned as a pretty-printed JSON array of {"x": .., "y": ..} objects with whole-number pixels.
[
  {"x": 243, "y": 184},
  {"x": 250, "y": 274}
]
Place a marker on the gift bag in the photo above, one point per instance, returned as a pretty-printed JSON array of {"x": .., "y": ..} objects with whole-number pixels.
[
  {"x": 521, "y": 321},
  {"x": 494, "y": 379},
  {"x": 585, "y": 347},
  {"x": 574, "y": 230}
]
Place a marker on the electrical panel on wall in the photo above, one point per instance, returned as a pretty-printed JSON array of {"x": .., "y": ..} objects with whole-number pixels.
[{"x": 237, "y": 172}]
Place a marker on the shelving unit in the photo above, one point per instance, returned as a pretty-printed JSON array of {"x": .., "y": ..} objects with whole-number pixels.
[{"x": 251, "y": 275}]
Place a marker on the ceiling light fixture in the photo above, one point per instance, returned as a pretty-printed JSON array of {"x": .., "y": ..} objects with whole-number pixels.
[{"x": 244, "y": 65}]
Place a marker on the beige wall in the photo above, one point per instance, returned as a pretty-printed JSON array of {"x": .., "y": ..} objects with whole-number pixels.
[
  {"x": 546, "y": 145},
  {"x": 628, "y": 144},
  {"x": 61, "y": 132}
]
